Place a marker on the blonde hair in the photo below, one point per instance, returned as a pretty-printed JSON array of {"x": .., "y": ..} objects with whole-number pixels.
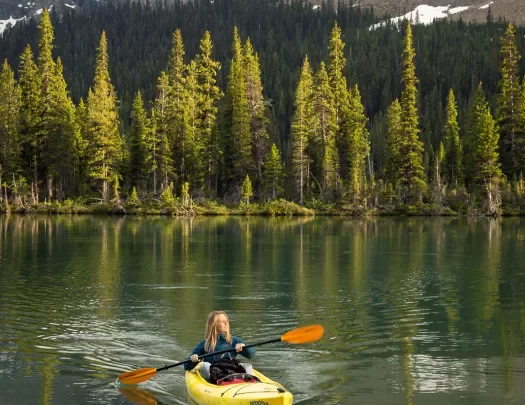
[{"x": 211, "y": 331}]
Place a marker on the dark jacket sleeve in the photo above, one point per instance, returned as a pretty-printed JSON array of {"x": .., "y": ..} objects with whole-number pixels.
[
  {"x": 198, "y": 350},
  {"x": 246, "y": 352}
]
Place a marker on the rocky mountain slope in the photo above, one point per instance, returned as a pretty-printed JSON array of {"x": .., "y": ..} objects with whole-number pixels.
[
  {"x": 423, "y": 11},
  {"x": 469, "y": 10}
]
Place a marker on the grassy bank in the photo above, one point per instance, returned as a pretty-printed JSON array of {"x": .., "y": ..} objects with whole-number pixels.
[{"x": 275, "y": 208}]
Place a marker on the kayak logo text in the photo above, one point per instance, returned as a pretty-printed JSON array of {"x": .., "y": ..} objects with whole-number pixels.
[{"x": 258, "y": 403}]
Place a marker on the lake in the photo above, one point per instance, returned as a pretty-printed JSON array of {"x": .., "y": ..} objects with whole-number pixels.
[{"x": 415, "y": 310}]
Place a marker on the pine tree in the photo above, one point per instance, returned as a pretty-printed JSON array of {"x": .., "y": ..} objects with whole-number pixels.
[
  {"x": 273, "y": 173},
  {"x": 392, "y": 156},
  {"x": 355, "y": 137},
  {"x": 162, "y": 158},
  {"x": 508, "y": 110},
  {"x": 256, "y": 107},
  {"x": 104, "y": 141},
  {"x": 411, "y": 175},
  {"x": 10, "y": 152},
  {"x": 238, "y": 148},
  {"x": 138, "y": 148},
  {"x": 301, "y": 128},
  {"x": 177, "y": 98},
  {"x": 208, "y": 96},
  {"x": 452, "y": 143},
  {"x": 81, "y": 169},
  {"x": 246, "y": 190},
  {"x": 476, "y": 113},
  {"x": 46, "y": 77},
  {"x": 61, "y": 155},
  {"x": 336, "y": 65},
  {"x": 486, "y": 158},
  {"x": 29, "y": 118},
  {"x": 324, "y": 106},
  {"x": 194, "y": 146}
]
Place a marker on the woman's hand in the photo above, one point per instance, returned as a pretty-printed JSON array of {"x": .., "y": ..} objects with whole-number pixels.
[
  {"x": 239, "y": 347},
  {"x": 194, "y": 358}
]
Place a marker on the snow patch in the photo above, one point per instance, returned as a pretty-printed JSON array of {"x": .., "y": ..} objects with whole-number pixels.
[
  {"x": 423, "y": 14},
  {"x": 5, "y": 23},
  {"x": 457, "y": 10},
  {"x": 69, "y": 5},
  {"x": 486, "y": 6},
  {"x": 20, "y": 6},
  {"x": 39, "y": 11},
  {"x": 315, "y": 6}
]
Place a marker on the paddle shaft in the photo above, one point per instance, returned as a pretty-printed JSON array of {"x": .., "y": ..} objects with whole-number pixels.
[{"x": 216, "y": 353}]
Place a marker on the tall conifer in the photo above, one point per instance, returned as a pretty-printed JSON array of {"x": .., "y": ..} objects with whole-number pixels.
[
  {"x": 273, "y": 173},
  {"x": 508, "y": 115},
  {"x": 256, "y": 107},
  {"x": 138, "y": 148},
  {"x": 393, "y": 144},
  {"x": 302, "y": 124},
  {"x": 356, "y": 139},
  {"x": 208, "y": 96},
  {"x": 46, "y": 77},
  {"x": 10, "y": 152},
  {"x": 238, "y": 144},
  {"x": 162, "y": 160},
  {"x": 177, "y": 99},
  {"x": 411, "y": 176},
  {"x": 104, "y": 140},
  {"x": 29, "y": 118},
  {"x": 61, "y": 153},
  {"x": 326, "y": 113},
  {"x": 195, "y": 167},
  {"x": 452, "y": 143}
]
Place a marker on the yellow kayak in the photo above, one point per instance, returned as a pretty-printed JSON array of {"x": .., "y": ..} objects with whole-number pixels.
[{"x": 266, "y": 392}]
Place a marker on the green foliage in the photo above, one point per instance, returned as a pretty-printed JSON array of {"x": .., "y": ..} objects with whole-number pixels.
[
  {"x": 302, "y": 125},
  {"x": 246, "y": 190},
  {"x": 167, "y": 199},
  {"x": 133, "y": 199},
  {"x": 282, "y": 207},
  {"x": 452, "y": 144},
  {"x": 323, "y": 140},
  {"x": 510, "y": 115},
  {"x": 105, "y": 153},
  {"x": 10, "y": 151},
  {"x": 273, "y": 173},
  {"x": 410, "y": 174},
  {"x": 326, "y": 160}
]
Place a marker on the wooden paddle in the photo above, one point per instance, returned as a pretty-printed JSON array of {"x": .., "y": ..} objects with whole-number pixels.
[{"x": 305, "y": 334}]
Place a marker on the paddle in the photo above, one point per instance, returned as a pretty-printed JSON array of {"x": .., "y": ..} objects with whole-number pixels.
[{"x": 305, "y": 334}]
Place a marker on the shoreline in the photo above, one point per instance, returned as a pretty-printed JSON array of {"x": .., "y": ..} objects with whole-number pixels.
[{"x": 276, "y": 208}]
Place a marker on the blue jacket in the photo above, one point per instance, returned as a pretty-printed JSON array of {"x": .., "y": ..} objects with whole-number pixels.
[{"x": 222, "y": 344}]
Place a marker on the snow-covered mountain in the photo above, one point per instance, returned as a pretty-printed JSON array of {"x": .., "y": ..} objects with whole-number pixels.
[
  {"x": 425, "y": 11},
  {"x": 15, "y": 11},
  {"x": 419, "y": 11}
]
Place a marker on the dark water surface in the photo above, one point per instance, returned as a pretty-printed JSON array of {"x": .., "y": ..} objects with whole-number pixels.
[{"x": 416, "y": 311}]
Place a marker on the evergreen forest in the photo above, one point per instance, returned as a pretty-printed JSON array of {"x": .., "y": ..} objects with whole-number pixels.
[{"x": 260, "y": 106}]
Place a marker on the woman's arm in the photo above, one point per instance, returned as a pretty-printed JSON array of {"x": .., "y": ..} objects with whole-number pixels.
[
  {"x": 199, "y": 349},
  {"x": 248, "y": 352}
]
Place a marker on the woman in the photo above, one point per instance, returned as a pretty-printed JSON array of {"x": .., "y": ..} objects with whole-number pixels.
[{"x": 218, "y": 338}]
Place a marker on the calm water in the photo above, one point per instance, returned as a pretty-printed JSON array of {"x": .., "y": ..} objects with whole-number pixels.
[{"x": 416, "y": 311}]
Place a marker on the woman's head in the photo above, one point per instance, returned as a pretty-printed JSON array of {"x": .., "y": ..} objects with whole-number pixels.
[{"x": 218, "y": 323}]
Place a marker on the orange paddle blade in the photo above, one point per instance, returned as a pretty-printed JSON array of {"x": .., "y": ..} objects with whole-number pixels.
[
  {"x": 306, "y": 334},
  {"x": 137, "y": 376}
]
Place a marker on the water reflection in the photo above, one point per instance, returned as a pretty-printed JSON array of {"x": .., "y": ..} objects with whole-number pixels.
[{"x": 410, "y": 306}]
